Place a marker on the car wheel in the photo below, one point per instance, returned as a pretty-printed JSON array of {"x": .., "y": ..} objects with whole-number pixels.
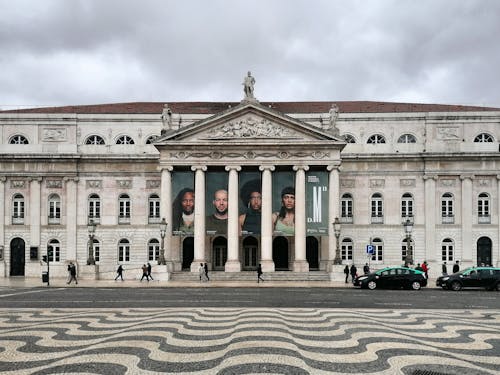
[
  {"x": 371, "y": 285},
  {"x": 415, "y": 285},
  {"x": 456, "y": 286}
]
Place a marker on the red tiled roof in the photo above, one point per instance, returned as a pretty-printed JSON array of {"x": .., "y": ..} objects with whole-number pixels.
[{"x": 286, "y": 107}]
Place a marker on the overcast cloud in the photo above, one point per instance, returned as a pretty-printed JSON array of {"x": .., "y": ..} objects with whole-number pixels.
[{"x": 65, "y": 52}]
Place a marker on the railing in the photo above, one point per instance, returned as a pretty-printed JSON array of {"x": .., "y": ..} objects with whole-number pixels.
[
  {"x": 17, "y": 219},
  {"x": 123, "y": 219},
  {"x": 54, "y": 220},
  {"x": 154, "y": 220},
  {"x": 448, "y": 219},
  {"x": 378, "y": 219},
  {"x": 484, "y": 219},
  {"x": 346, "y": 220}
]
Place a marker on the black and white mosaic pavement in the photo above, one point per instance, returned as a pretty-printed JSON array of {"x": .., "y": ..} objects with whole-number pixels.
[{"x": 249, "y": 341}]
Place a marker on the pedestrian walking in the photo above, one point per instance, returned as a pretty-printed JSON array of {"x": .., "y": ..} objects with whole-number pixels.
[
  {"x": 145, "y": 272},
  {"x": 354, "y": 271},
  {"x": 456, "y": 267},
  {"x": 201, "y": 272},
  {"x": 259, "y": 274},
  {"x": 444, "y": 268},
  {"x": 205, "y": 267},
  {"x": 419, "y": 267},
  {"x": 119, "y": 272},
  {"x": 366, "y": 269},
  {"x": 149, "y": 271},
  {"x": 425, "y": 268},
  {"x": 346, "y": 271},
  {"x": 72, "y": 273}
]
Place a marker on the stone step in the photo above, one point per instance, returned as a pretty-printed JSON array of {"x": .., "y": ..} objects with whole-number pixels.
[{"x": 252, "y": 275}]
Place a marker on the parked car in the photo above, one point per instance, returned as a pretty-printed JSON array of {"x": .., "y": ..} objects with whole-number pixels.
[
  {"x": 473, "y": 277},
  {"x": 392, "y": 278}
]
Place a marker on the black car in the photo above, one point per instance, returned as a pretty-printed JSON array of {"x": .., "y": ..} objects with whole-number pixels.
[
  {"x": 392, "y": 278},
  {"x": 474, "y": 277}
]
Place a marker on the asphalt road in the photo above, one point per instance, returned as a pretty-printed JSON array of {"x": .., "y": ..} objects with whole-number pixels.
[{"x": 246, "y": 297}]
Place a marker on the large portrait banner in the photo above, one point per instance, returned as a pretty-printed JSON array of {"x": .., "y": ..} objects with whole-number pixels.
[
  {"x": 250, "y": 207},
  {"x": 216, "y": 203},
  {"x": 183, "y": 203},
  {"x": 317, "y": 203},
  {"x": 284, "y": 203}
]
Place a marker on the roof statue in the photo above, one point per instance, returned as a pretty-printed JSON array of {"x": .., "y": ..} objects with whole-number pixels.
[
  {"x": 334, "y": 114},
  {"x": 248, "y": 87},
  {"x": 166, "y": 117}
]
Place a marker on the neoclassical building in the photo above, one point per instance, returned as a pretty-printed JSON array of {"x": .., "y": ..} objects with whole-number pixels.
[{"x": 247, "y": 183}]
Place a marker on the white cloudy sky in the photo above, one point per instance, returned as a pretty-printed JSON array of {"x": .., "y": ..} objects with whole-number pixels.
[{"x": 60, "y": 52}]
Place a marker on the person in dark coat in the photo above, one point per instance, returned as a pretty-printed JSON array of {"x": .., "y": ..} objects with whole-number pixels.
[
  {"x": 145, "y": 272},
  {"x": 205, "y": 267},
  {"x": 72, "y": 273},
  {"x": 456, "y": 267},
  {"x": 354, "y": 270},
  {"x": 119, "y": 272},
  {"x": 445, "y": 269},
  {"x": 346, "y": 271},
  {"x": 259, "y": 274},
  {"x": 366, "y": 269},
  {"x": 149, "y": 271}
]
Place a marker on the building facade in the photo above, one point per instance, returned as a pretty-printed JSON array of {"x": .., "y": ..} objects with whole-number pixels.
[{"x": 247, "y": 183}]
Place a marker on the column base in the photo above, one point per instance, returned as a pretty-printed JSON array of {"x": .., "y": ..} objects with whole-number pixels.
[
  {"x": 267, "y": 265},
  {"x": 160, "y": 272},
  {"x": 337, "y": 272},
  {"x": 232, "y": 266},
  {"x": 88, "y": 272},
  {"x": 300, "y": 266}
]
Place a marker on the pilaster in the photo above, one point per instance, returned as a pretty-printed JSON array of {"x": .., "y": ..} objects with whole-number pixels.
[
  {"x": 466, "y": 218},
  {"x": 333, "y": 208},
  {"x": 166, "y": 212},
  {"x": 430, "y": 217},
  {"x": 71, "y": 215}
]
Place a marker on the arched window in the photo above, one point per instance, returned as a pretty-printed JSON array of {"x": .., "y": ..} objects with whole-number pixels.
[
  {"x": 376, "y": 138},
  {"x": 346, "y": 204},
  {"x": 447, "y": 209},
  {"x": 484, "y": 137},
  {"x": 349, "y": 138},
  {"x": 94, "y": 140},
  {"x": 96, "y": 246},
  {"x": 483, "y": 208},
  {"x": 125, "y": 140},
  {"x": 346, "y": 249},
  {"x": 54, "y": 209},
  {"x": 151, "y": 139},
  {"x": 124, "y": 209},
  {"x": 404, "y": 248},
  {"x": 378, "y": 247},
  {"x": 447, "y": 250},
  {"x": 18, "y": 209},
  {"x": 154, "y": 208},
  {"x": 377, "y": 209},
  {"x": 407, "y": 138},
  {"x": 54, "y": 251},
  {"x": 95, "y": 208},
  {"x": 18, "y": 140},
  {"x": 406, "y": 206},
  {"x": 153, "y": 249},
  {"x": 123, "y": 250}
]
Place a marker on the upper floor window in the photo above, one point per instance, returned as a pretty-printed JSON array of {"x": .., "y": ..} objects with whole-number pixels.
[
  {"x": 378, "y": 253},
  {"x": 407, "y": 205},
  {"x": 18, "y": 140},
  {"x": 483, "y": 208},
  {"x": 376, "y": 138},
  {"x": 54, "y": 251},
  {"x": 94, "y": 140},
  {"x": 124, "y": 140},
  {"x": 483, "y": 137},
  {"x": 407, "y": 138},
  {"x": 124, "y": 209},
  {"x": 377, "y": 208},
  {"x": 151, "y": 139},
  {"x": 154, "y": 208},
  {"x": 94, "y": 207},
  {"x": 54, "y": 209},
  {"x": 349, "y": 138},
  {"x": 447, "y": 250},
  {"x": 346, "y": 249},
  {"x": 447, "y": 208},
  {"x": 346, "y": 204},
  {"x": 18, "y": 209}
]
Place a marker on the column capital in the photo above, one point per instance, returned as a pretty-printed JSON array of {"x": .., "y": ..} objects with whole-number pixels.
[
  {"x": 68, "y": 179},
  {"x": 236, "y": 168},
  {"x": 203, "y": 168},
  {"x": 430, "y": 177},
  {"x": 169, "y": 168},
  {"x": 35, "y": 179},
  {"x": 4, "y": 179},
  {"x": 498, "y": 176},
  {"x": 301, "y": 167},
  {"x": 332, "y": 167},
  {"x": 267, "y": 167},
  {"x": 465, "y": 176}
]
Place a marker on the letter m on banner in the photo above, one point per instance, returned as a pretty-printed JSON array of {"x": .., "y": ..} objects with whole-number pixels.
[{"x": 317, "y": 202}]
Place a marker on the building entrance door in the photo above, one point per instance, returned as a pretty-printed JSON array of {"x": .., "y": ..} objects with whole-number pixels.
[
  {"x": 312, "y": 252},
  {"x": 280, "y": 253},
  {"x": 187, "y": 253},
  {"x": 17, "y": 249},
  {"x": 250, "y": 246},
  {"x": 484, "y": 251},
  {"x": 219, "y": 253}
]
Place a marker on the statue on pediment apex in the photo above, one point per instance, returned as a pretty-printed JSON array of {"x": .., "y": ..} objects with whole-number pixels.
[
  {"x": 248, "y": 86},
  {"x": 166, "y": 117}
]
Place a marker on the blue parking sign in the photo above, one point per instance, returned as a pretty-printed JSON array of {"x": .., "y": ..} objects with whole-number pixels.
[{"x": 370, "y": 249}]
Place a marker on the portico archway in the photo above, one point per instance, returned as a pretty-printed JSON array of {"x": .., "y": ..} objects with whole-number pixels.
[
  {"x": 250, "y": 246},
  {"x": 187, "y": 252},
  {"x": 484, "y": 251},
  {"x": 219, "y": 255},
  {"x": 17, "y": 257},
  {"x": 280, "y": 253},
  {"x": 312, "y": 252}
]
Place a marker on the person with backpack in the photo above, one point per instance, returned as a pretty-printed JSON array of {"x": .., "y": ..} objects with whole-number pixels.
[{"x": 119, "y": 272}]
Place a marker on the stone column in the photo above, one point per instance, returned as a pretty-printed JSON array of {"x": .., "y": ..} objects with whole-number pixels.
[
  {"x": 300, "y": 263},
  {"x": 431, "y": 253},
  {"x": 166, "y": 212},
  {"x": 199, "y": 216},
  {"x": 34, "y": 211},
  {"x": 71, "y": 215},
  {"x": 496, "y": 257},
  {"x": 2, "y": 224},
  {"x": 266, "y": 237},
  {"x": 333, "y": 210},
  {"x": 233, "y": 263},
  {"x": 467, "y": 210}
]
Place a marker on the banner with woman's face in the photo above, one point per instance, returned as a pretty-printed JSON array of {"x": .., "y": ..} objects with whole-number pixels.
[
  {"x": 216, "y": 203},
  {"x": 250, "y": 207},
  {"x": 284, "y": 203},
  {"x": 183, "y": 203}
]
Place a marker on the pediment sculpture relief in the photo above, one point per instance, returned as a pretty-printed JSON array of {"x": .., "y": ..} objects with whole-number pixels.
[{"x": 250, "y": 128}]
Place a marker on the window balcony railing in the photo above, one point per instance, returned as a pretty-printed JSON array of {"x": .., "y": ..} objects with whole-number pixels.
[
  {"x": 123, "y": 219},
  {"x": 484, "y": 219},
  {"x": 448, "y": 219},
  {"x": 378, "y": 219},
  {"x": 154, "y": 220},
  {"x": 346, "y": 219},
  {"x": 17, "y": 219},
  {"x": 95, "y": 219},
  {"x": 54, "y": 220}
]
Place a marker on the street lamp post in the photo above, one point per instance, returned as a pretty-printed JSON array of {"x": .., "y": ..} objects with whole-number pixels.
[
  {"x": 336, "y": 231},
  {"x": 91, "y": 228},
  {"x": 408, "y": 225},
  {"x": 163, "y": 230}
]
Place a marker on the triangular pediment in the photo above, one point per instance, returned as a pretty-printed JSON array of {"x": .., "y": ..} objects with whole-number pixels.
[{"x": 248, "y": 121}]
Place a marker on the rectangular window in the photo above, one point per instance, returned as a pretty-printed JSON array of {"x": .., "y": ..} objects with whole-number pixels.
[{"x": 346, "y": 251}]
